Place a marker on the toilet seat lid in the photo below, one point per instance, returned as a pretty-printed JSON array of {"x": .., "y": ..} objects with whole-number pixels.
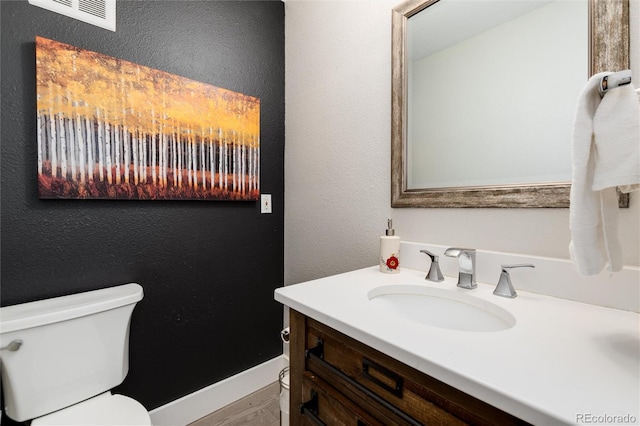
[{"x": 104, "y": 409}]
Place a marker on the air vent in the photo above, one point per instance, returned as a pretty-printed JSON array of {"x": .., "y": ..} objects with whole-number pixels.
[{"x": 101, "y": 13}]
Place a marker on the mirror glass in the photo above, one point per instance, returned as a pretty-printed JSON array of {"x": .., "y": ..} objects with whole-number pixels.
[{"x": 492, "y": 89}]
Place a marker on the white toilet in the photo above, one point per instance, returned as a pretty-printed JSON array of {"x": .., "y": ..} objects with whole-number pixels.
[{"x": 61, "y": 356}]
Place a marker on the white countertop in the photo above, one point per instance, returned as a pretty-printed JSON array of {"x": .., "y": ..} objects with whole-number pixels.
[{"x": 563, "y": 362}]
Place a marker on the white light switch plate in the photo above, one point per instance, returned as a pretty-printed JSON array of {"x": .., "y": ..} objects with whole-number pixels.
[{"x": 265, "y": 203}]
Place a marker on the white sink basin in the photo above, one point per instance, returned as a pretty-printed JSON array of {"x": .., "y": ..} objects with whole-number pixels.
[{"x": 436, "y": 307}]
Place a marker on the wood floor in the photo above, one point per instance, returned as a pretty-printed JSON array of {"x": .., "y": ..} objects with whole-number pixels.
[{"x": 261, "y": 408}]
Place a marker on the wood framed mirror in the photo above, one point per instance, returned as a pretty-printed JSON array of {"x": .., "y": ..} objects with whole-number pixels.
[{"x": 608, "y": 50}]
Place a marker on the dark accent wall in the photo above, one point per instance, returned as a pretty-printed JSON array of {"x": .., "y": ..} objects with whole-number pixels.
[{"x": 208, "y": 268}]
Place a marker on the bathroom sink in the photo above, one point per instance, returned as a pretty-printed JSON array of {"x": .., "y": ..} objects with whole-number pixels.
[{"x": 448, "y": 309}]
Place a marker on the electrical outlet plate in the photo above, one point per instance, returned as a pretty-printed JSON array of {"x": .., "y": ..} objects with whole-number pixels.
[{"x": 265, "y": 203}]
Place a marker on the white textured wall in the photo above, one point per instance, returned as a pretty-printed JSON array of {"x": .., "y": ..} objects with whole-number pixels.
[{"x": 337, "y": 160}]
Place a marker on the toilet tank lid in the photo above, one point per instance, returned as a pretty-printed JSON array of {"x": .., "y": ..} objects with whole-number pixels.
[{"x": 48, "y": 311}]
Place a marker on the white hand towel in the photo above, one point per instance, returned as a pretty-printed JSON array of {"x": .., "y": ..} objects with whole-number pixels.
[
  {"x": 594, "y": 213},
  {"x": 616, "y": 129}
]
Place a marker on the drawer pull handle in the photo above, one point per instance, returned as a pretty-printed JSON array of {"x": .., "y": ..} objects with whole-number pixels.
[
  {"x": 396, "y": 389},
  {"x": 317, "y": 350},
  {"x": 310, "y": 409}
]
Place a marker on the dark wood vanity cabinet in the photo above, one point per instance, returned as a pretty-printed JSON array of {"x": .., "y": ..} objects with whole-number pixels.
[{"x": 336, "y": 380}]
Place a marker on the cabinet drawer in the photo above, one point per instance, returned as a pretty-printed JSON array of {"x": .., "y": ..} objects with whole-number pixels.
[
  {"x": 417, "y": 397},
  {"x": 327, "y": 406}
]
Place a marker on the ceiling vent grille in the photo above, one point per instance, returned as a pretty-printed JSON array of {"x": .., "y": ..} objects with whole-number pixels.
[{"x": 101, "y": 13}]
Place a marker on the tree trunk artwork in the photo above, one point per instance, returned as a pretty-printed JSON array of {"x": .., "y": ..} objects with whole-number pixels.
[{"x": 112, "y": 129}]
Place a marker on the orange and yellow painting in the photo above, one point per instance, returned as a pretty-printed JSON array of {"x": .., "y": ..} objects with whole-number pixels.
[{"x": 112, "y": 129}]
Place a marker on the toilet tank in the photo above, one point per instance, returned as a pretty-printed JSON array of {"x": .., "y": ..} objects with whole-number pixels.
[{"x": 74, "y": 347}]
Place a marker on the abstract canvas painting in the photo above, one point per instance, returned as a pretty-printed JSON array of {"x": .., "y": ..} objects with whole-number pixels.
[{"x": 112, "y": 129}]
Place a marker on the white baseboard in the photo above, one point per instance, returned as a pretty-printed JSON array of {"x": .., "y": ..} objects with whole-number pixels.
[{"x": 194, "y": 406}]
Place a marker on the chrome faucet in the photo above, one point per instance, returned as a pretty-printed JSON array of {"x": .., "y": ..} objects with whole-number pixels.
[
  {"x": 434, "y": 273},
  {"x": 466, "y": 266},
  {"x": 504, "y": 287}
]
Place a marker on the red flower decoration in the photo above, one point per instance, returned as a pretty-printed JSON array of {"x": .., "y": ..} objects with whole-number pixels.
[{"x": 392, "y": 262}]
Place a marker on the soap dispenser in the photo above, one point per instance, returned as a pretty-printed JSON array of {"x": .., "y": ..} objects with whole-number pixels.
[{"x": 390, "y": 251}]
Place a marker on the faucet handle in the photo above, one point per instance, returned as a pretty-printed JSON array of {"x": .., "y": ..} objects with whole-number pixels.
[
  {"x": 504, "y": 287},
  {"x": 434, "y": 271}
]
